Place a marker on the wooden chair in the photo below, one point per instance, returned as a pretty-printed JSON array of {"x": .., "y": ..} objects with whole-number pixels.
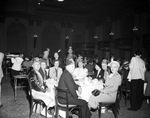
[
  {"x": 34, "y": 102},
  {"x": 125, "y": 90},
  {"x": 125, "y": 85},
  {"x": 114, "y": 106},
  {"x": 65, "y": 107},
  {"x": 21, "y": 77}
]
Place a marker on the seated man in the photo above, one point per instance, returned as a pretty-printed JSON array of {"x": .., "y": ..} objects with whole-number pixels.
[
  {"x": 80, "y": 72},
  {"x": 27, "y": 65},
  {"x": 55, "y": 72},
  {"x": 109, "y": 92},
  {"x": 66, "y": 81},
  {"x": 43, "y": 71},
  {"x": 39, "y": 88},
  {"x": 90, "y": 66}
]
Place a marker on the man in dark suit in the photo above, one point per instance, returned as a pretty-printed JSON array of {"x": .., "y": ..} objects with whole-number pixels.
[
  {"x": 66, "y": 81},
  {"x": 42, "y": 70}
]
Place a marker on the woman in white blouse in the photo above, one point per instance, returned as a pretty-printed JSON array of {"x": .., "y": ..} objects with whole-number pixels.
[{"x": 80, "y": 72}]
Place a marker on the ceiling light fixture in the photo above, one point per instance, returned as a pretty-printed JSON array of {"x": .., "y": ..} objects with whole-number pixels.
[
  {"x": 60, "y": 0},
  {"x": 135, "y": 29},
  {"x": 35, "y": 35},
  {"x": 67, "y": 37},
  {"x": 111, "y": 33},
  {"x": 95, "y": 37}
]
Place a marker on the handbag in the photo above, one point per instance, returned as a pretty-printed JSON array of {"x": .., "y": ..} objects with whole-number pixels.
[{"x": 96, "y": 92}]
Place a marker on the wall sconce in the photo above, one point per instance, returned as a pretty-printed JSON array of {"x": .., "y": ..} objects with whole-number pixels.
[
  {"x": 67, "y": 37},
  {"x": 135, "y": 29},
  {"x": 35, "y": 35},
  {"x": 35, "y": 40},
  {"x": 111, "y": 33},
  {"x": 66, "y": 42},
  {"x": 60, "y": 0},
  {"x": 39, "y": 2},
  {"x": 95, "y": 37}
]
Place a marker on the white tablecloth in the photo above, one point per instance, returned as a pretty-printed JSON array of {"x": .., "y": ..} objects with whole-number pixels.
[
  {"x": 88, "y": 87},
  {"x": 51, "y": 83}
]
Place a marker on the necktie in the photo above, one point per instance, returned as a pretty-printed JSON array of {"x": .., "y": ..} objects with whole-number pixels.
[
  {"x": 56, "y": 72},
  {"x": 44, "y": 75},
  {"x": 39, "y": 77}
]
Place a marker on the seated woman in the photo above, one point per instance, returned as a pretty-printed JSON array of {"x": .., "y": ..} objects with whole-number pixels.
[
  {"x": 39, "y": 88},
  {"x": 80, "y": 72},
  {"x": 70, "y": 54},
  {"x": 104, "y": 71},
  {"x": 55, "y": 72},
  {"x": 109, "y": 92},
  {"x": 56, "y": 57}
]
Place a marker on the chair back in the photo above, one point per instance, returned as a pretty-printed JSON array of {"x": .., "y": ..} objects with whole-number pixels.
[
  {"x": 33, "y": 103},
  {"x": 29, "y": 92},
  {"x": 118, "y": 98},
  {"x": 115, "y": 106},
  {"x": 61, "y": 96},
  {"x": 61, "y": 100}
]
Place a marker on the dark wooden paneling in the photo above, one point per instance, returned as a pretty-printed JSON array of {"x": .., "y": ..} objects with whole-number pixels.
[{"x": 16, "y": 38}]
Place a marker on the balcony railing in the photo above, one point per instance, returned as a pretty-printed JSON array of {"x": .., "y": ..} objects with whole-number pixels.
[
  {"x": 121, "y": 43},
  {"x": 125, "y": 43},
  {"x": 104, "y": 45},
  {"x": 85, "y": 49},
  {"x": 84, "y": 46}
]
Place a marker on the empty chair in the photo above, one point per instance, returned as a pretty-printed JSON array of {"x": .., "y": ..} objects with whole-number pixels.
[{"x": 21, "y": 78}]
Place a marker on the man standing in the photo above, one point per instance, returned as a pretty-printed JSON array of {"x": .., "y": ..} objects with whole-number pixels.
[
  {"x": 1, "y": 75},
  {"x": 46, "y": 57},
  {"x": 136, "y": 76},
  {"x": 66, "y": 81}
]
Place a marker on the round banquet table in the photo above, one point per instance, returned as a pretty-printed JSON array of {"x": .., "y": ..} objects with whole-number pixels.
[{"x": 87, "y": 88}]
